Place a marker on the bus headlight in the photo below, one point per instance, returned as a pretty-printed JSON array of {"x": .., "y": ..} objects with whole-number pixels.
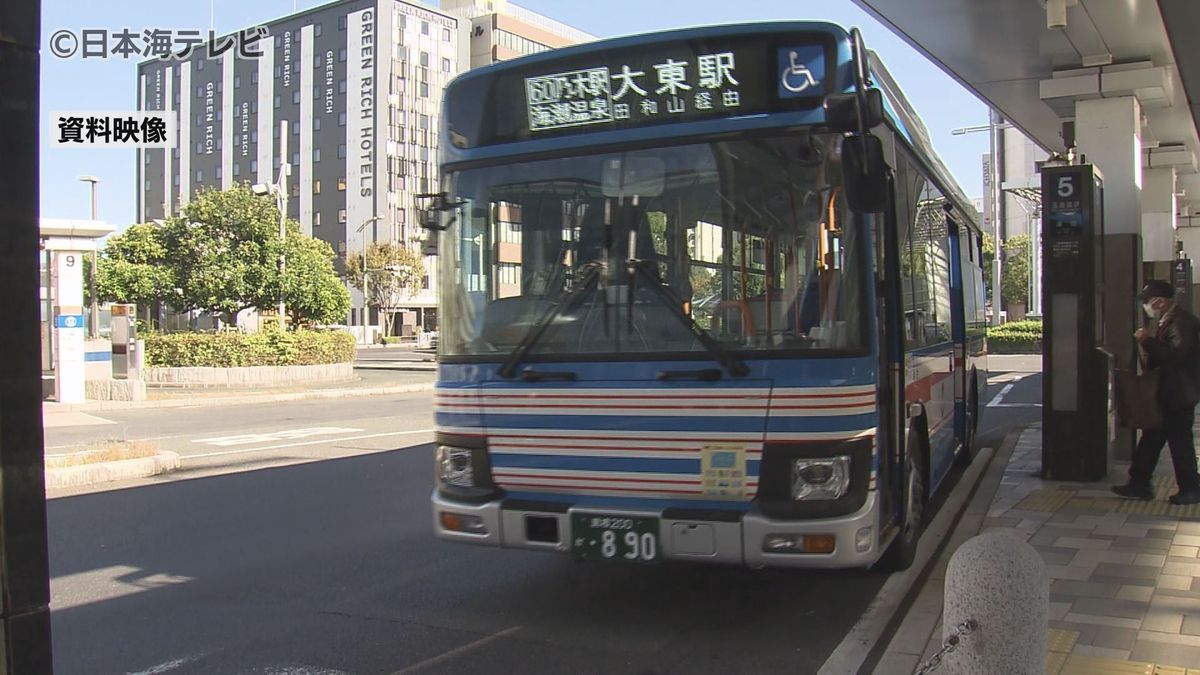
[
  {"x": 820, "y": 478},
  {"x": 455, "y": 466}
]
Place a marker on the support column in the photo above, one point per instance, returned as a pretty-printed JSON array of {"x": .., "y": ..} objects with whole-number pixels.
[
  {"x": 1108, "y": 132},
  {"x": 24, "y": 571},
  {"x": 1158, "y": 214}
]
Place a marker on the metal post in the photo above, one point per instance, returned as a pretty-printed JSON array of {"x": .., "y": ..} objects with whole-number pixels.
[
  {"x": 281, "y": 199},
  {"x": 93, "y": 308},
  {"x": 993, "y": 141},
  {"x": 366, "y": 310},
  {"x": 24, "y": 570}
]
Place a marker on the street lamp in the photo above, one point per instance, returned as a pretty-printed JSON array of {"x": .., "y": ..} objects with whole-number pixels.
[
  {"x": 993, "y": 128},
  {"x": 93, "y": 308},
  {"x": 278, "y": 189},
  {"x": 365, "y": 309}
]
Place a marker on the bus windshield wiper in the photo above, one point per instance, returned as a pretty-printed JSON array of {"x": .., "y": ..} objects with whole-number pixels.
[
  {"x": 733, "y": 365},
  {"x": 591, "y": 274}
]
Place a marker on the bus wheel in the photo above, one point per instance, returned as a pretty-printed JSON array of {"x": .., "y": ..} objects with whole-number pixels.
[{"x": 903, "y": 549}]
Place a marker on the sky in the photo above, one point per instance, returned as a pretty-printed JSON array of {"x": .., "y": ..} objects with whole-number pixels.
[{"x": 111, "y": 84}]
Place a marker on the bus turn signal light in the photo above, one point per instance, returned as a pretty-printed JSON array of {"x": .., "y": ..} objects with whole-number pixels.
[{"x": 456, "y": 522}]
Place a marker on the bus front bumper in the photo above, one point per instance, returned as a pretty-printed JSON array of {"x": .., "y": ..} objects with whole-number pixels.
[{"x": 742, "y": 540}]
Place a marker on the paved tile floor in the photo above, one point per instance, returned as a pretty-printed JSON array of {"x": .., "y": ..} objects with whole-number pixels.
[{"x": 1124, "y": 575}]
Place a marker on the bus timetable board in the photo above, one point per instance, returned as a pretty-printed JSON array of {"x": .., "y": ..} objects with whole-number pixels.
[{"x": 641, "y": 85}]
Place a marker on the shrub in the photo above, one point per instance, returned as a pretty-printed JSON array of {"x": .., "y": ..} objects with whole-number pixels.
[
  {"x": 265, "y": 348},
  {"x": 1016, "y": 337}
]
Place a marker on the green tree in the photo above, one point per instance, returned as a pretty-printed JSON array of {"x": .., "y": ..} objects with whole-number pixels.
[
  {"x": 133, "y": 267},
  {"x": 224, "y": 248},
  {"x": 312, "y": 291},
  {"x": 392, "y": 274},
  {"x": 1014, "y": 285}
]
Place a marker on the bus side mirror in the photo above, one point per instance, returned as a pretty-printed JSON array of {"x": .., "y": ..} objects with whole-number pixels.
[
  {"x": 842, "y": 111},
  {"x": 864, "y": 173}
]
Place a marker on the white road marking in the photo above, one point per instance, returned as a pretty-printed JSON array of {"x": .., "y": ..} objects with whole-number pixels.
[
  {"x": 457, "y": 650},
  {"x": 165, "y": 666},
  {"x": 296, "y": 445},
  {"x": 998, "y": 400},
  {"x": 283, "y": 435}
]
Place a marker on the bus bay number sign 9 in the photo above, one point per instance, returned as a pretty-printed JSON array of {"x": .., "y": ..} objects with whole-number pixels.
[{"x": 600, "y": 537}]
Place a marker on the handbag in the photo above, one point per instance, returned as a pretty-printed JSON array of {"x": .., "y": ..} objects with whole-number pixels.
[{"x": 1137, "y": 396}]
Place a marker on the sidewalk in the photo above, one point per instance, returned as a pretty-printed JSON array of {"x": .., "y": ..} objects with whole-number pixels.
[
  {"x": 370, "y": 382},
  {"x": 1124, "y": 575}
]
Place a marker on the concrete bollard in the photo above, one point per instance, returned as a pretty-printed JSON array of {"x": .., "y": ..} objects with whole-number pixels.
[{"x": 998, "y": 580}]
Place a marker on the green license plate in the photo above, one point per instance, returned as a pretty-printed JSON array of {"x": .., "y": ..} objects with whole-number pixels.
[{"x": 598, "y": 536}]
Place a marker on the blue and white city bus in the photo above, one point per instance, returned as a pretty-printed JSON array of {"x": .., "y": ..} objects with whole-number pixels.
[{"x": 706, "y": 295}]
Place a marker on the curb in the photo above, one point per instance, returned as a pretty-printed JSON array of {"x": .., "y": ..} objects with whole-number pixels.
[
  {"x": 967, "y": 523},
  {"x": 236, "y": 400},
  {"x": 106, "y": 472},
  {"x": 865, "y": 643}
]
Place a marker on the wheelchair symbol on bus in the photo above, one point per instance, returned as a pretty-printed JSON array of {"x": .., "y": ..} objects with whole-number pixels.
[{"x": 797, "y": 77}]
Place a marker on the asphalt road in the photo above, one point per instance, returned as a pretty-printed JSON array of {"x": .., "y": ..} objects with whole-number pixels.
[{"x": 298, "y": 559}]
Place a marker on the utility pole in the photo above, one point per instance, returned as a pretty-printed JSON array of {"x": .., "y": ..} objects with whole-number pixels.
[
  {"x": 93, "y": 307},
  {"x": 995, "y": 196}
]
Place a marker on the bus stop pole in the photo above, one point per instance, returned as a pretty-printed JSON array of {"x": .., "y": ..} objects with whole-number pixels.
[{"x": 24, "y": 572}]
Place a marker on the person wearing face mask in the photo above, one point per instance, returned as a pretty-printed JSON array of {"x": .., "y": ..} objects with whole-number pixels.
[{"x": 1171, "y": 347}]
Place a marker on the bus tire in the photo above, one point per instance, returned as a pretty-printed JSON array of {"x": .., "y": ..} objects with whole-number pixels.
[
  {"x": 903, "y": 549},
  {"x": 969, "y": 449}
]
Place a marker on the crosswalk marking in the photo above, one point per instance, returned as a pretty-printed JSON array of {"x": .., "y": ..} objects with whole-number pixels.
[{"x": 283, "y": 435}]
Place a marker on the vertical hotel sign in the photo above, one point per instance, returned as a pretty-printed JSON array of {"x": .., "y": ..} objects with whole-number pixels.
[{"x": 360, "y": 124}]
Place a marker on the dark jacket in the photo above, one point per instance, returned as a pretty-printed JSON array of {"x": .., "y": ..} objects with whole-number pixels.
[{"x": 1175, "y": 352}]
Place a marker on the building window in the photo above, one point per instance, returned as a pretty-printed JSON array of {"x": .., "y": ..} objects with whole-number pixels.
[
  {"x": 278, "y": 72},
  {"x": 316, "y": 218},
  {"x": 316, "y": 154},
  {"x": 200, "y": 91},
  {"x": 254, "y": 77},
  {"x": 424, "y": 121},
  {"x": 275, "y": 162},
  {"x": 341, "y": 215},
  {"x": 199, "y": 175},
  {"x": 341, "y": 86},
  {"x": 423, "y": 89},
  {"x": 445, "y": 35},
  {"x": 254, "y": 136},
  {"x": 425, "y": 59},
  {"x": 316, "y": 124},
  {"x": 219, "y": 143},
  {"x": 237, "y": 169},
  {"x": 277, "y": 100},
  {"x": 275, "y": 135},
  {"x": 295, "y": 127},
  {"x": 424, "y": 28},
  {"x": 175, "y": 180},
  {"x": 296, "y": 96},
  {"x": 341, "y": 151},
  {"x": 316, "y": 187},
  {"x": 237, "y": 81},
  {"x": 341, "y": 119},
  {"x": 295, "y": 159},
  {"x": 254, "y": 166},
  {"x": 296, "y": 190},
  {"x": 342, "y": 55},
  {"x": 220, "y": 86},
  {"x": 219, "y": 172},
  {"x": 445, "y": 65},
  {"x": 342, "y": 184},
  {"x": 199, "y": 64},
  {"x": 220, "y": 115},
  {"x": 342, "y": 22},
  {"x": 254, "y": 106},
  {"x": 316, "y": 30}
]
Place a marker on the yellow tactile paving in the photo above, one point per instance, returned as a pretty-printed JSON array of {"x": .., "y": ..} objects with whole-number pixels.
[
  {"x": 1061, "y": 640},
  {"x": 1045, "y": 501},
  {"x": 1091, "y": 665}
]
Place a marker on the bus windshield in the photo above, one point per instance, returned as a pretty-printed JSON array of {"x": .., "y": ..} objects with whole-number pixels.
[{"x": 749, "y": 239}]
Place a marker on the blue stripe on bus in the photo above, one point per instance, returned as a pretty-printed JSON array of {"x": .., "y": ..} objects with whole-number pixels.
[
  {"x": 626, "y": 422},
  {"x": 596, "y": 502},
  {"x": 822, "y": 424},
  {"x": 627, "y": 464},
  {"x": 790, "y": 372}
]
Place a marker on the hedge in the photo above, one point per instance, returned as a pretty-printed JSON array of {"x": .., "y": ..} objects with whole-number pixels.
[
  {"x": 1016, "y": 337},
  {"x": 265, "y": 348}
]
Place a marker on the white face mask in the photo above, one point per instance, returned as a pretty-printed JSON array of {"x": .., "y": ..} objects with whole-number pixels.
[{"x": 1150, "y": 311}]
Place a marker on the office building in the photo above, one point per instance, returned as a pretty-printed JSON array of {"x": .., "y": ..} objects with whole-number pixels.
[{"x": 501, "y": 30}]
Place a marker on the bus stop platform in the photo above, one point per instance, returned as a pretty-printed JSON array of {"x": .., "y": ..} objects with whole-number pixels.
[{"x": 1124, "y": 575}]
